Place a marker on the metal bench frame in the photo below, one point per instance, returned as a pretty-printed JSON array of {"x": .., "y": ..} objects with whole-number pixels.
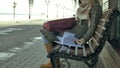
[{"x": 92, "y": 58}]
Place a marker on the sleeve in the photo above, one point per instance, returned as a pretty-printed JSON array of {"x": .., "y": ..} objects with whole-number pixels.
[{"x": 95, "y": 14}]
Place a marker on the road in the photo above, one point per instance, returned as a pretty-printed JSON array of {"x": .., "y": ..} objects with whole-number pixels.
[{"x": 16, "y": 36}]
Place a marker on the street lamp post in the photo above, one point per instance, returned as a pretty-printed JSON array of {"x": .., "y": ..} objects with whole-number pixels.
[
  {"x": 30, "y": 5},
  {"x": 57, "y": 5},
  {"x": 14, "y": 6},
  {"x": 47, "y": 2},
  {"x": 29, "y": 12}
]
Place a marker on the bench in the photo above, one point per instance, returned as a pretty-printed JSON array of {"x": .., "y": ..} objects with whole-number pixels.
[{"x": 89, "y": 54}]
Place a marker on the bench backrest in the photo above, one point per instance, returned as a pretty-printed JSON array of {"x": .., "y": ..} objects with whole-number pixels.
[{"x": 102, "y": 30}]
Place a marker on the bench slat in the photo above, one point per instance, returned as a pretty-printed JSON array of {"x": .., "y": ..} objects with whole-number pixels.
[
  {"x": 101, "y": 27},
  {"x": 104, "y": 20},
  {"x": 94, "y": 40},
  {"x": 80, "y": 52},
  {"x": 84, "y": 51},
  {"x": 76, "y": 50},
  {"x": 91, "y": 48},
  {"x": 99, "y": 35},
  {"x": 68, "y": 50}
]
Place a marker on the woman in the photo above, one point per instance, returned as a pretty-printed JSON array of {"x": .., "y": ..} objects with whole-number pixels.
[{"x": 87, "y": 16}]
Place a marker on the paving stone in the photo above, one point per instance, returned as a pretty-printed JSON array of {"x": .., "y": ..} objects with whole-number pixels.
[{"x": 28, "y": 56}]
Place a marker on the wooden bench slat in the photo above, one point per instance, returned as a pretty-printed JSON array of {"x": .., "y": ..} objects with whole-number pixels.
[
  {"x": 101, "y": 27},
  {"x": 94, "y": 40},
  {"x": 84, "y": 51},
  {"x": 72, "y": 50},
  {"x": 76, "y": 50},
  {"x": 62, "y": 48},
  {"x": 80, "y": 52},
  {"x": 68, "y": 50},
  {"x": 100, "y": 31},
  {"x": 98, "y": 34},
  {"x": 104, "y": 20},
  {"x": 91, "y": 48}
]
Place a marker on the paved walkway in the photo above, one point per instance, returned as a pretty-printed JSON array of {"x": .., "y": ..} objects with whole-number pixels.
[
  {"x": 32, "y": 54},
  {"x": 28, "y": 56}
]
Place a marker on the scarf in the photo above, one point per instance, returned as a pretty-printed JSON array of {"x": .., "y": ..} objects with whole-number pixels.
[{"x": 83, "y": 10}]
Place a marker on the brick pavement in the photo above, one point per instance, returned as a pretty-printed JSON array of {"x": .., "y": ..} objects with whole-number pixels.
[{"x": 32, "y": 54}]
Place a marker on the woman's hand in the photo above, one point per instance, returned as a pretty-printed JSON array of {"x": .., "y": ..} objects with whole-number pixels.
[{"x": 80, "y": 42}]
